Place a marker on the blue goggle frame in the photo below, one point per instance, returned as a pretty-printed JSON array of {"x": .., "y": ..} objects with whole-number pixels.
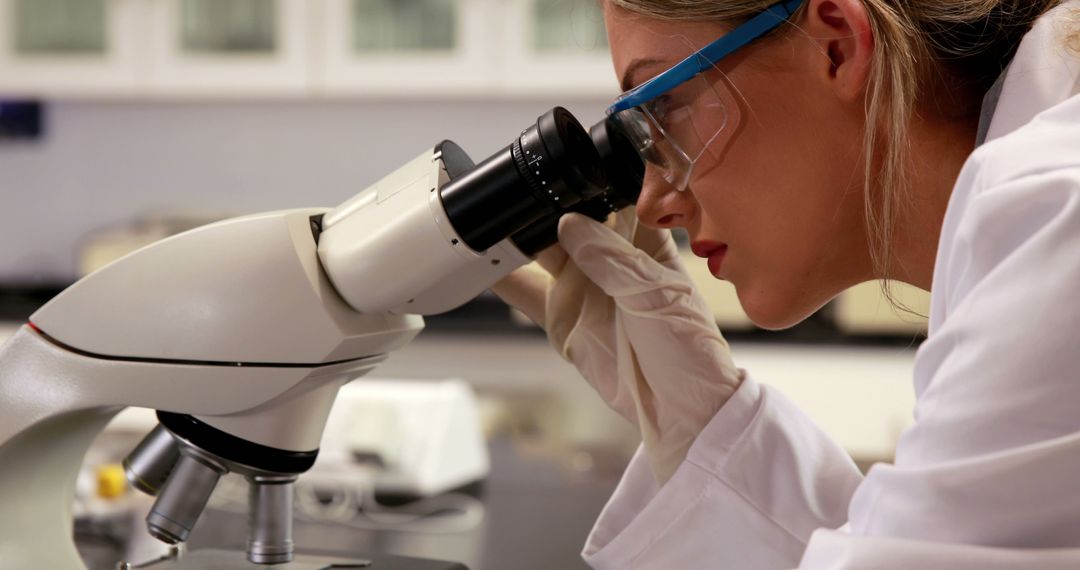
[{"x": 706, "y": 57}]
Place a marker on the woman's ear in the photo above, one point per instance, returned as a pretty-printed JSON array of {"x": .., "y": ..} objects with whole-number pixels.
[{"x": 842, "y": 30}]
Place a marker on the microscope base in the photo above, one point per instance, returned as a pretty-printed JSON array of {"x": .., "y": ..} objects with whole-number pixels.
[{"x": 236, "y": 560}]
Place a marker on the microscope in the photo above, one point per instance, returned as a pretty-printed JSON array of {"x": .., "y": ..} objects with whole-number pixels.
[{"x": 240, "y": 333}]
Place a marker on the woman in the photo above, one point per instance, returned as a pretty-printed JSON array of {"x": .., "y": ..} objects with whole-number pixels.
[{"x": 815, "y": 145}]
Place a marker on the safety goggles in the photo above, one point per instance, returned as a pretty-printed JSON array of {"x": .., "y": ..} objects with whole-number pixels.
[{"x": 673, "y": 118}]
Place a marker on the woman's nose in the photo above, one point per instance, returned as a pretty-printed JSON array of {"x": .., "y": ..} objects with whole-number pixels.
[{"x": 660, "y": 205}]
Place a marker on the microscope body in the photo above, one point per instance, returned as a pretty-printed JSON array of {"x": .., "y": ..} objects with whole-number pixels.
[
  {"x": 234, "y": 328},
  {"x": 240, "y": 334},
  {"x": 233, "y": 324}
]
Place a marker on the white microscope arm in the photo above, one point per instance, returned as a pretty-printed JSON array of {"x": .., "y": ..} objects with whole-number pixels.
[
  {"x": 440, "y": 230},
  {"x": 393, "y": 248}
]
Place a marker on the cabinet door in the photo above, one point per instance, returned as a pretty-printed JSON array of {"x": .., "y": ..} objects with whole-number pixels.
[
  {"x": 230, "y": 47},
  {"x": 407, "y": 48},
  {"x": 556, "y": 47},
  {"x": 70, "y": 47}
]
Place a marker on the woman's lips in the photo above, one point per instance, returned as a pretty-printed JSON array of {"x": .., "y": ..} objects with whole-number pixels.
[{"x": 713, "y": 251}]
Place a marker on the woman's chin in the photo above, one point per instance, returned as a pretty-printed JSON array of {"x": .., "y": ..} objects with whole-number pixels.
[{"x": 775, "y": 312}]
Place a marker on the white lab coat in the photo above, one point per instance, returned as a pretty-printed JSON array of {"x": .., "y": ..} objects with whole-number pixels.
[{"x": 988, "y": 477}]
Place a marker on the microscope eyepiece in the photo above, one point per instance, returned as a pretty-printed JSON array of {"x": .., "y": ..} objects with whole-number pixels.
[
  {"x": 551, "y": 167},
  {"x": 622, "y": 163},
  {"x": 559, "y": 161},
  {"x": 447, "y": 228},
  {"x": 624, "y": 171}
]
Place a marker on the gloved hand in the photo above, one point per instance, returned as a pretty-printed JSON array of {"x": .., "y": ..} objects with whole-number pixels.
[{"x": 617, "y": 304}]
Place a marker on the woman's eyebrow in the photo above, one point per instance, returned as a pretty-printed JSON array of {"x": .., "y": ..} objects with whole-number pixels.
[{"x": 626, "y": 82}]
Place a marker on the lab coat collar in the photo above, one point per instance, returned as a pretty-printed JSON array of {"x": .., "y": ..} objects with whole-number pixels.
[{"x": 1042, "y": 74}]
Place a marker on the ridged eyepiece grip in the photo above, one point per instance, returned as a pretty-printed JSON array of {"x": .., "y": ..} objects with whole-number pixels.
[
  {"x": 624, "y": 171},
  {"x": 552, "y": 166}
]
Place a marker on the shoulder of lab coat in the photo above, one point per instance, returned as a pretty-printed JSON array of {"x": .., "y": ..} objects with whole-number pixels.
[{"x": 986, "y": 478}]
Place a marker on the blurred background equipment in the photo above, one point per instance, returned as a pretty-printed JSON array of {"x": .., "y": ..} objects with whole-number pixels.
[
  {"x": 21, "y": 120},
  {"x": 420, "y": 438}
]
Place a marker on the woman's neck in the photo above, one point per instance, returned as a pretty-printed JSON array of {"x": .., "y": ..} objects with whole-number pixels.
[{"x": 939, "y": 149}]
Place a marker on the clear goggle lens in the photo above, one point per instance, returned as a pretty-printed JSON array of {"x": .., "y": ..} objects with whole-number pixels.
[{"x": 673, "y": 131}]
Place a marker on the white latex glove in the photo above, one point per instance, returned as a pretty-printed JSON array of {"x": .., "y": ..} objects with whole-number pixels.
[{"x": 617, "y": 304}]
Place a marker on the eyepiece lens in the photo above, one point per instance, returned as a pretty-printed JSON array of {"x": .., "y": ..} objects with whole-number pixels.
[{"x": 622, "y": 163}]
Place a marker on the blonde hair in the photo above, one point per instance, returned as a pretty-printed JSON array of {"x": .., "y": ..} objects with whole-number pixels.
[{"x": 966, "y": 43}]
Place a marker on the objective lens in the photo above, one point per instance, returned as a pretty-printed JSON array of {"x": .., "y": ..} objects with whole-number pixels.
[
  {"x": 183, "y": 498},
  {"x": 624, "y": 172},
  {"x": 549, "y": 169},
  {"x": 270, "y": 521},
  {"x": 149, "y": 464}
]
